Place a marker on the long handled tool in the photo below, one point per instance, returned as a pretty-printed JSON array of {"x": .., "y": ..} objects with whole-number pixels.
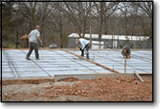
[{"x": 41, "y": 45}]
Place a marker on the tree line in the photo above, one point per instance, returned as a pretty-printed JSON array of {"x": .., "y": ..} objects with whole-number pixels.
[{"x": 59, "y": 19}]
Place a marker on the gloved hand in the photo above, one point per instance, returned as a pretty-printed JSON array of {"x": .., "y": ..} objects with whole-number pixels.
[
  {"x": 80, "y": 49},
  {"x": 42, "y": 44}
]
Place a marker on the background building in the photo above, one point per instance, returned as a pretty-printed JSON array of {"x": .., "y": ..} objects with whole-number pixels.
[{"x": 114, "y": 41}]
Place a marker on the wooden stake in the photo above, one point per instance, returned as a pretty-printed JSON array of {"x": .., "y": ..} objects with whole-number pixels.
[
  {"x": 125, "y": 66},
  {"x": 139, "y": 77}
]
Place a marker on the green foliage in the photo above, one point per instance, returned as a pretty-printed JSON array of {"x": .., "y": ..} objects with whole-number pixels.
[
  {"x": 7, "y": 23},
  {"x": 9, "y": 45}
]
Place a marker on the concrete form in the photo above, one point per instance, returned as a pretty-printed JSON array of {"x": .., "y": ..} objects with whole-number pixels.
[
  {"x": 14, "y": 64},
  {"x": 94, "y": 76},
  {"x": 140, "y": 61},
  {"x": 57, "y": 62}
]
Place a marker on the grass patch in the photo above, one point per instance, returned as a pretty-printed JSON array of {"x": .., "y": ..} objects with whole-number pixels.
[{"x": 10, "y": 45}]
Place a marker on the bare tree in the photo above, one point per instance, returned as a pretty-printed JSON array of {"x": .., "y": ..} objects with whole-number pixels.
[
  {"x": 77, "y": 13},
  {"x": 36, "y": 13},
  {"x": 103, "y": 11},
  {"x": 57, "y": 19},
  {"x": 145, "y": 6},
  {"x": 129, "y": 18}
]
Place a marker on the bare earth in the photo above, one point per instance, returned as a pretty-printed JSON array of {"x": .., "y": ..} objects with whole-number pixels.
[{"x": 72, "y": 89}]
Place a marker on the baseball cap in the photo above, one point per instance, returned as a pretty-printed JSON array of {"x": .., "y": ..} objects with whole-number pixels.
[{"x": 37, "y": 26}]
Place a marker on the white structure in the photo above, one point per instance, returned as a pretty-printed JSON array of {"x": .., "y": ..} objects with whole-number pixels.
[
  {"x": 95, "y": 45},
  {"x": 120, "y": 37},
  {"x": 109, "y": 41}
]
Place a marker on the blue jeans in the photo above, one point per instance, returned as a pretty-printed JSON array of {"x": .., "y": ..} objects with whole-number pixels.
[{"x": 87, "y": 49}]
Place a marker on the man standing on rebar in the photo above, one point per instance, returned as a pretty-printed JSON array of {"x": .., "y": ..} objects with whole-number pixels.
[
  {"x": 33, "y": 36},
  {"x": 83, "y": 44},
  {"x": 126, "y": 52}
]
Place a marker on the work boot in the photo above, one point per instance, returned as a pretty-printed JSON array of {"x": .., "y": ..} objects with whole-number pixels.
[
  {"x": 38, "y": 59},
  {"x": 86, "y": 52},
  {"x": 82, "y": 55},
  {"x": 28, "y": 58}
]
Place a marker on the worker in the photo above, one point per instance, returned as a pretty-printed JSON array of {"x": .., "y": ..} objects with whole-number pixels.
[
  {"x": 126, "y": 52},
  {"x": 83, "y": 44},
  {"x": 33, "y": 36}
]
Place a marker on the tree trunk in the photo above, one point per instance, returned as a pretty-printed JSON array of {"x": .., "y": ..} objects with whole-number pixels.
[
  {"x": 61, "y": 37},
  {"x": 101, "y": 23},
  {"x": 61, "y": 30},
  {"x": 112, "y": 42},
  {"x": 90, "y": 25},
  {"x": 17, "y": 40},
  {"x": 105, "y": 27},
  {"x": 100, "y": 31}
]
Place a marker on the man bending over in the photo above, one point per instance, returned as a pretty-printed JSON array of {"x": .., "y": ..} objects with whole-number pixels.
[
  {"x": 126, "y": 52},
  {"x": 83, "y": 44}
]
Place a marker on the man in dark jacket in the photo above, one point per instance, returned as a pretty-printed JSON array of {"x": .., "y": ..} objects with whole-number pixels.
[{"x": 126, "y": 52}]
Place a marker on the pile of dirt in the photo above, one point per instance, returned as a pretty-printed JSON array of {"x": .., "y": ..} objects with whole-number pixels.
[
  {"x": 70, "y": 79},
  {"x": 72, "y": 89}
]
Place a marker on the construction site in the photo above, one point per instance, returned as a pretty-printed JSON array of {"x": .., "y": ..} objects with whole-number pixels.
[
  {"x": 63, "y": 75},
  {"x": 77, "y": 51}
]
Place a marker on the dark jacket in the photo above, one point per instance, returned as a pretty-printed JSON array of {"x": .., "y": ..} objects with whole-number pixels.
[{"x": 126, "y": 47}]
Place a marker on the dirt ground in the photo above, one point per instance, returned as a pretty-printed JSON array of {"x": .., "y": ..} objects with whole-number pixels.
[{"x": 72, "y": 89}]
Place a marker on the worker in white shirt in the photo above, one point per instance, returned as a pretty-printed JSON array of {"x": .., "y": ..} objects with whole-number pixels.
[
  {"x": 33, "y": 36},
  {"x": 83, "y": 44}
]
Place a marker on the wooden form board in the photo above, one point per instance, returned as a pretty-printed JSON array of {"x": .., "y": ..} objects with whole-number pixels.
[{"x": 92, "y": 62}]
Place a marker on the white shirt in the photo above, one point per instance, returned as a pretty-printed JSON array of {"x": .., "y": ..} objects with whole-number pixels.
[
  {"x": 83, "y": 42},
  {"x": 33, "y": 36}
]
